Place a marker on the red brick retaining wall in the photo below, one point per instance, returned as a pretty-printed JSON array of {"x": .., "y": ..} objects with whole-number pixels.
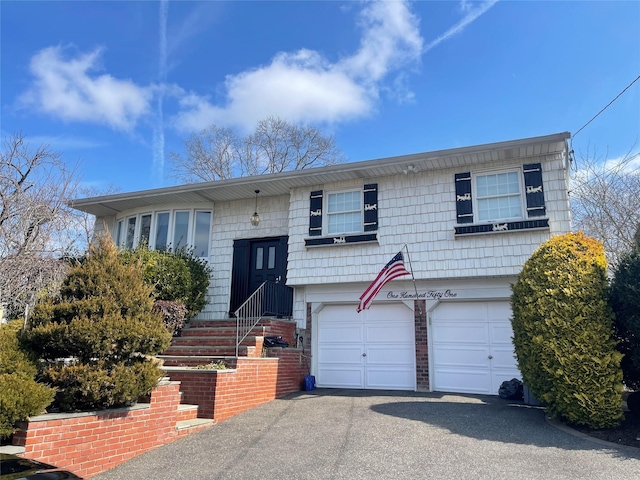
[
  {"x": 220, "y": 394},
  {"x": 90, "y": 443}
]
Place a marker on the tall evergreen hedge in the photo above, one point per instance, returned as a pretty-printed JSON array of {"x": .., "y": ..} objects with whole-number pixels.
[
  {"x": 625, "y": 301},
  {"x": 562, "y": 326},
  {"x": 97, "y": 334}
]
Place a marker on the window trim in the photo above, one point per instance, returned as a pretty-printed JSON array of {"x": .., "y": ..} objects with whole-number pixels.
[
  {"x": 521, "y": 195},
  {"x": 122, "y": 223},
  {"x": 325, "y": 217}
]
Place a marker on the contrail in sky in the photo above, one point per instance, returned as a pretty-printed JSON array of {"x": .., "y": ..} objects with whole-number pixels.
[
  {"x": 158, "y": 129},
  {"x": 462, "y": 24}
]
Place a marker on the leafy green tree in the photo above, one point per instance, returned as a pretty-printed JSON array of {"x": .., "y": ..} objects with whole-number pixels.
[
  {"x": 96, "y": 336},
  {"x": 562, "y": 327}
]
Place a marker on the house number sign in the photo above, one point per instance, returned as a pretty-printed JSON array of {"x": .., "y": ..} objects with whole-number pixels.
[{"x": 429, "y": 294}]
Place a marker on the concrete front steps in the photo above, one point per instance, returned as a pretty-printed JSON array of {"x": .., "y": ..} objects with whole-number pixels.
[{"x": 188, "y": 421}]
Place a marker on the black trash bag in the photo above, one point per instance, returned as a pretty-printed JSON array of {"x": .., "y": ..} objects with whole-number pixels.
[
  {"x": 511, "y": 390},
  {"x": 271, "y": 342}
]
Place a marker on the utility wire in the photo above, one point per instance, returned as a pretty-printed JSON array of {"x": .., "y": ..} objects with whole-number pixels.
[{"x": 607, "y": 106}]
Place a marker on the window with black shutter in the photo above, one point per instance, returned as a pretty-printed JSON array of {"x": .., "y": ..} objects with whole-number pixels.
[
  {"x": 489, "y": 202},
  {"x": 343, "y": 217}
]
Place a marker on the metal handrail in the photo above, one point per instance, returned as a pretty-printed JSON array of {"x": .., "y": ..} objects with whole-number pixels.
[{"x": 269, "y": 299}]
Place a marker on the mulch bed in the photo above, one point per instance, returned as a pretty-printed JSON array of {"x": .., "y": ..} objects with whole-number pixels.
[{"x": 628, "y": 433}]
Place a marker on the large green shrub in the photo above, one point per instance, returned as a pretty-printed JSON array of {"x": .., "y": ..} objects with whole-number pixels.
[
  {"x": 175, "y": 276},
  {"x": 625, "y": 301},
  {"x": 100, "y": 326},
  {"x": 20, "y": 395},
  {"x": 562, "y": 328}
]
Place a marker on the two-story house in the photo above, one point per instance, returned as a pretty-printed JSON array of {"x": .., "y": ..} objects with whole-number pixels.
[{"x": 466, "y": 220}]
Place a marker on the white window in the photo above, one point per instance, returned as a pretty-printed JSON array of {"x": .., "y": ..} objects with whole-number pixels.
[
  {"x": 131, "y": 232},
  {"x": 167, "y": 230},
  {"x": 145, "y": 229},
  {"x": 120, "y": 234},
  {"x": 162, "y": 231},
  {"x": 201, "y": 234},
  {"x": 180, "y": 230},
  {"x": 498, "y": 196},
  {"x": 344, "y": 212}
]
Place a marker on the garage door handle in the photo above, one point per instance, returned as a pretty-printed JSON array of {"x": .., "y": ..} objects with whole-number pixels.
[
  {"x": 490, "y": 357},
  {"x": 364, "y": 354}
]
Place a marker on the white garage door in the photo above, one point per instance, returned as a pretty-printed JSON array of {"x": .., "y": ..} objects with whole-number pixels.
[
  {"x": 372, "y": 349},
  {"x": 471, "y": 347}
]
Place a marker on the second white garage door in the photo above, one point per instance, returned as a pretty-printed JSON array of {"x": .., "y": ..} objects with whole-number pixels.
[
  {"x": 471, "y": 347},
  {"x": 373, "y": 349}
]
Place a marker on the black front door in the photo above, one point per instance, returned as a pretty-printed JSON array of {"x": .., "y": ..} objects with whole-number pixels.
[{"x": 254, "y": 262}]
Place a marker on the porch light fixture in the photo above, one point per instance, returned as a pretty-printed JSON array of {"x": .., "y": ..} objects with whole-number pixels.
[{"x": 255, "y": 218}]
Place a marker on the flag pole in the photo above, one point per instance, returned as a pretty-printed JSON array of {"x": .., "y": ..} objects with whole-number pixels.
[{"x": 414, "y": 280}]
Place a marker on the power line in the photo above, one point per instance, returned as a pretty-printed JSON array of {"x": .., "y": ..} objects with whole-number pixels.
[{"x": 607, "y": 106}]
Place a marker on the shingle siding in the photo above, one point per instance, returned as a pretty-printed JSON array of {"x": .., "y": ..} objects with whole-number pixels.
[{"x": 419, "y": 210}]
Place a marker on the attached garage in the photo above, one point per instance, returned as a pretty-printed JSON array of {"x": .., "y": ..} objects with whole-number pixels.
[
  {"x": 471, "y": 347},
  {"x": 373, "y": 349}
]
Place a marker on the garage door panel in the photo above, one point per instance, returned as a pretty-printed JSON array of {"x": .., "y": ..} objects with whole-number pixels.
[
  {"x": 501, "y": 333},
  {"x": 467, "y": 357},
  {"x": 503, "y": 358},
  {"x": 460, "y": 332},
  {"x": 390, "y": 354},
  {"x": 462, "y": 310},
  {"x": 348, "y": 354},
  {"x": 341, "y": 334},
  {"x": 388, "y": 313},
  {"x": 464, "y": 381},
  {"x": 498, "y": 311},
  {"x": 389, "y": 378},
  {"x": 387, "y": 334},
  {"x": 340, "y": 377}
]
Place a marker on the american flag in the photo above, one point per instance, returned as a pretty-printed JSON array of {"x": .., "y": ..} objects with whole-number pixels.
[{"x": 393, "y": 269}]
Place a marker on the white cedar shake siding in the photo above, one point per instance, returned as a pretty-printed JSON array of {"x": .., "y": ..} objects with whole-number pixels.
[{"x": 419, "y": 210}]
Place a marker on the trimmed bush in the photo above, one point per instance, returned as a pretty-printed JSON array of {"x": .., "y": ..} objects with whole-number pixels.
[
  {"x": 562, "y": 326},
  {"x": 173, "y": 315},
  {"x": 95, "y": 336},
  {"x": 625, "y": 301},
  {"x": 175, "y": 276},
  {"x": 20, "y": 395}
]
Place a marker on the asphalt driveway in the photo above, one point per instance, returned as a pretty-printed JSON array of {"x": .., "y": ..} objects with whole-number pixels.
[{"x": 350, "y": 434}]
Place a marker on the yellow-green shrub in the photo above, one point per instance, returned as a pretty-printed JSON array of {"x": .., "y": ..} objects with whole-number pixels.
[
  {"x": 562, "y": 326},
  {"x": 20, "y": 395}
]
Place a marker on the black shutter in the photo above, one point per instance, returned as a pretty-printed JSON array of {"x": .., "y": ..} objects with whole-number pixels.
[
  {"x": 464, "y": 204},
  {"x": 315, "y": 214},
  {"x": 239, "y": 274},
  {"x": 534, "y": 190},
  {"x": 371, "y": 207}
]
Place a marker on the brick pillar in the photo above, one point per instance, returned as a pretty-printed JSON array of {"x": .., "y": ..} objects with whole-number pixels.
[{"x": 422, "y": 346}]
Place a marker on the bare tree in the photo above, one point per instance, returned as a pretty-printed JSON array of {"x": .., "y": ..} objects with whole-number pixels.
[
  {"x": 35, "y": 221},
  {"x": 275, "y": 146},
  {"x": 605, "y": 201}
]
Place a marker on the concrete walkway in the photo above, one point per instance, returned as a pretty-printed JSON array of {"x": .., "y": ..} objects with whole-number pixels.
[{"x": 351, "y": 434}]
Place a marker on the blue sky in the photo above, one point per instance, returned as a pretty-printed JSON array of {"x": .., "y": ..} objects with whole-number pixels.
[{"x": 116, "y": 86}]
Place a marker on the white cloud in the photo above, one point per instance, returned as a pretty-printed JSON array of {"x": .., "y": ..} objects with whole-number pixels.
[
  {"x": 471, "y": 14},
  {"x": 66, "y": 88},
  {"x": 306, "y": 86}
]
